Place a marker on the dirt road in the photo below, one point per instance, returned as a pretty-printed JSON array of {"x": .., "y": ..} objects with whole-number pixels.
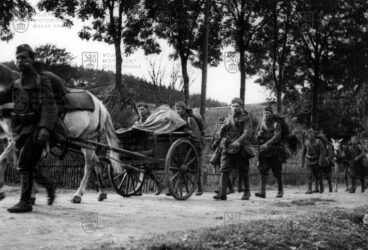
[{"x": 117, "y": 220}]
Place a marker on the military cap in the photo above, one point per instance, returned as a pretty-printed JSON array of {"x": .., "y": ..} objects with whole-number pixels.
[
  {"x": 237, "y": 100},
  {"x": 25, "y": 48},
  {"x": 181, "y": 104}
]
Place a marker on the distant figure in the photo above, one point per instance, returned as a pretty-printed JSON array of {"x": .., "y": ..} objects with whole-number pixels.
[
  {"x": 358, "y": 163},
  {"x": 313, "y": 155}
]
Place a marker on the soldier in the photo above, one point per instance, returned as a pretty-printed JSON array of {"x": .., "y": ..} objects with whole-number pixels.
[
  {"x": 143, "y": 113},
  {"x": 358, "y": 163},
  {"x": 34, "y": 118},
  {"x": 328, "y": 163},
  {"x": 314, "y": 152},
  {"x": 235, "y": 154},
  {"x": 269, "y": 137},
  {"x": 196, "y": 131}
]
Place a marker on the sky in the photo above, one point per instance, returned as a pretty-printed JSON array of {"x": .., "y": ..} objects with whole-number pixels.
[{"x": 223, "y": 83}]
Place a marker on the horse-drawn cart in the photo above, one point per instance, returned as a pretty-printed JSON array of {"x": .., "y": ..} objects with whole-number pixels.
[{"x": 175, "y": 153}]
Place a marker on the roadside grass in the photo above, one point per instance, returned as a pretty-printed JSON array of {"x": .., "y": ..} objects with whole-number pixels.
[{"x": 336, "y": 229}]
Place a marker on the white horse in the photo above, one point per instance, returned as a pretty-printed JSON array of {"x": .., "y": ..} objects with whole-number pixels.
[
  {"x": 80, "y": 124},
  {"x": 341, "y": 163}
]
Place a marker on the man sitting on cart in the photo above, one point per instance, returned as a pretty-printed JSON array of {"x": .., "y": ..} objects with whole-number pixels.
[
  {"x": 196, "y": 129},
  {"x": 143, "y": 112}
]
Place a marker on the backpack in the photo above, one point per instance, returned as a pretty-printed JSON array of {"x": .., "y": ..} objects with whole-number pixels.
[
  {"x": 198, "y": 119},
  {"x": 285, "y": 130}
]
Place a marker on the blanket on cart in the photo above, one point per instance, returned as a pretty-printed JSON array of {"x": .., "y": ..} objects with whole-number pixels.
[{"x": 160, "y": 122}]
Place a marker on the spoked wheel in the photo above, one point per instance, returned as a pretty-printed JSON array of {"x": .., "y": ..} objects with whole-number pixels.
[
  {"x": 182, "y": 169},
  {"x": 129, "y": 181}
]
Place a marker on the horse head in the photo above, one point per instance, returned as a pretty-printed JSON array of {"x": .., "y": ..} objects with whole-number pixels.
[
  {"x": 7, "y": 76},
  {"x": 338, "y": 147}
]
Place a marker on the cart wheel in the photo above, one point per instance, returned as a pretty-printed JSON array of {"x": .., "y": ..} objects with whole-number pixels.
[
  {"x": 129, "y": 182},
  {"x": 182, "y": 169}
]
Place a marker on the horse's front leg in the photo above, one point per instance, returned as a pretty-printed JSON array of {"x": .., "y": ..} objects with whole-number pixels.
[
  {"x": 88, "y": 163},
  {"x": 3, "y": 160},
  {"x": 347, "y": 180},
  {"x": 101, "y": 186}
]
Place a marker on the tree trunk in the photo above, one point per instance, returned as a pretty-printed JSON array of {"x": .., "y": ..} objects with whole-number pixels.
[
  {"x": 278, "y": 99},
  {"x": 242, "y": 71},
  {"x": 204, "y": 63},
  {"x": 315, "y": 91},
  {"x": 118, "y": 84},
  {"x": 184, "y": 71}
]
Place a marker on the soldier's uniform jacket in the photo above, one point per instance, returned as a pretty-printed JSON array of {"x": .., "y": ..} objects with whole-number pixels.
[
  {"x": 34, "y": 105},
  {"x": 314, "y": 153},
  {"x": 270, "y": 133},
  {"x": 238, "y": 128},
  {"x": 354, "y": 151}
]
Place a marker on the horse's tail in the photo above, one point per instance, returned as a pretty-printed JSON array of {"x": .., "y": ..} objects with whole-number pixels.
[{"x": 112, "y": 139}]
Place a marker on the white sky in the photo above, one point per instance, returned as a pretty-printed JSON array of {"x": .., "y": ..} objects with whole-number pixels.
[{"x": 221, "y": 85}]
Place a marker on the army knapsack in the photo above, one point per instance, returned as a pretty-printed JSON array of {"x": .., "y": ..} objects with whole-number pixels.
[{"x": 285, "y": 130}]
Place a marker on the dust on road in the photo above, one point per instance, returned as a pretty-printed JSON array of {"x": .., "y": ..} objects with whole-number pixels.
[{"x": 117, "y": 220}]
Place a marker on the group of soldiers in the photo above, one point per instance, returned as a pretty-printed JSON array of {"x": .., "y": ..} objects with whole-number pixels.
[{"x": 37, "y": 121}]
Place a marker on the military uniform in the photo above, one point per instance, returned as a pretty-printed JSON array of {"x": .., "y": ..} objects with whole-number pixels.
[
  {"x": 34, "y": 109},
  {"x": 270, "y": 158},
  {"x": 328, "y": 165},
  {"x": 357, "y": 162},
  {"x": 236, "y": 128},
  {"x": 313, "y": 154}
]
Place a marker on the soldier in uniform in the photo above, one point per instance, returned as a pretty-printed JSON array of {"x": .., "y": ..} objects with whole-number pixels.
[
  {"x": 195, "y": 130},
  {"x": 358, "y": 163},
  {"x": 237, "y": 131},
  {"x": 269, "y": 137},
  {"x": 33, "y": 119},
  {"x": 314, "y": 154}
]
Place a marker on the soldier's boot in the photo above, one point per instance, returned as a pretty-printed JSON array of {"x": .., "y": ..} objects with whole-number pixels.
[
  {"x": 280, "y": 192},
  {"x": 231, "y": 187},
  {"x": 362, "y": 180},
  {"x": 49, "y": 185},
  {"x": 316, "y": 187},
  {"x": 24, "y": 205},
  {"x": 321, "y": 186},
  {"x": 262, "y": 193},
  {"x": 309, "y": 190},
  {"x": 200, "y": 188},
  {"x": 329, "y": 184},
  {"x": 246, "y": 194},
  {"x": 353, "y": 185},
  {"x": 223, "y": 186}
]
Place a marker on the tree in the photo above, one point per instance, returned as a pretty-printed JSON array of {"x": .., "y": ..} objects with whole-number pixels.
[
  {"x": 9, "y": 10},
  {"x": 277, "y": 38},
  {"x": 113, "y": 22},
  {"x": 242, "y": 20},
  {"x": 181, "y": 24}
]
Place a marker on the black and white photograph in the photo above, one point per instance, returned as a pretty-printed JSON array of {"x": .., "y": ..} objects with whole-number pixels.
[{"x": 183, "y": 124}]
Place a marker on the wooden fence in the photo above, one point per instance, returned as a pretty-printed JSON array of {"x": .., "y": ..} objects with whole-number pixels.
[{"x": 69, "y": 173}]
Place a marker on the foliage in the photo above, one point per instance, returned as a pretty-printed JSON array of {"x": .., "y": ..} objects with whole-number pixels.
[
  {"x": 336, "y": 229},
  {"x": 11, "y": 10}
]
